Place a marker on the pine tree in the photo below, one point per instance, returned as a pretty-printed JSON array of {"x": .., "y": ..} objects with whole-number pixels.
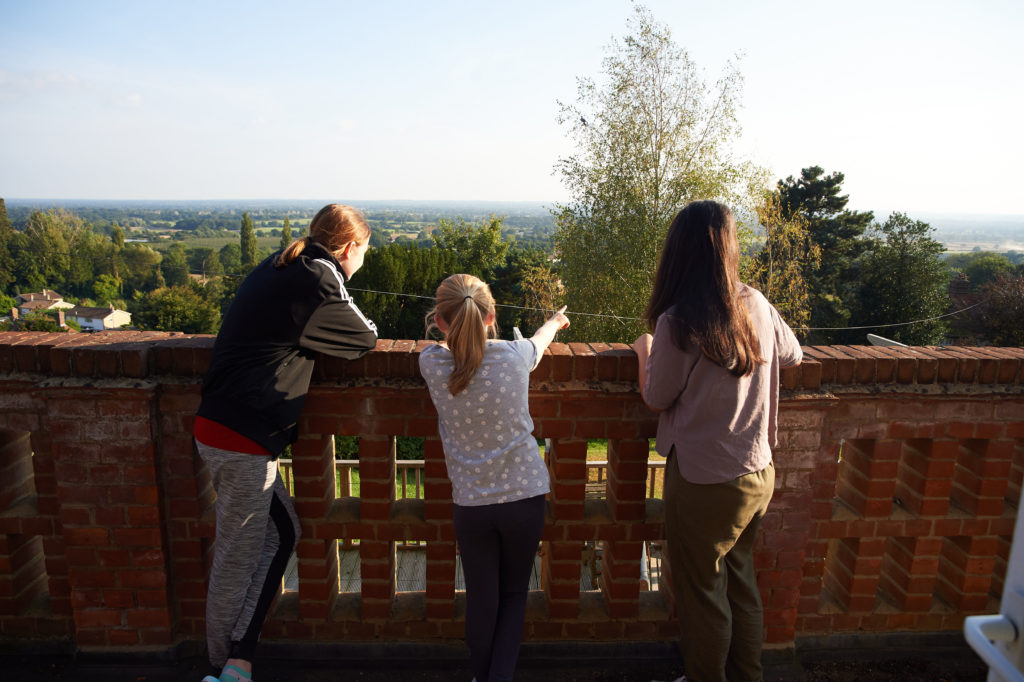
[
  {"x": 117, "y": 236},
  {"x": 837, "y": 231},
  {"x": 5, "y": 223},
  {"x": 248, "y": 242},
  {"x": 6, "y": 261},
  {"x": 286, "y": 233}
]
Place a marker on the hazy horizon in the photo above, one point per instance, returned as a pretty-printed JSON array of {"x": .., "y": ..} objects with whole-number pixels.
[{"x": 540, "y": 204}]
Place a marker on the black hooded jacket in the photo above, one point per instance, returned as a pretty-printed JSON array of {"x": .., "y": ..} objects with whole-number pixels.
[{"x": 263, "y": 356}]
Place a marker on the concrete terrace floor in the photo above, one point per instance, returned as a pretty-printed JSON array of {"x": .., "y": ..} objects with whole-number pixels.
[{"x": 897, "y": 657}]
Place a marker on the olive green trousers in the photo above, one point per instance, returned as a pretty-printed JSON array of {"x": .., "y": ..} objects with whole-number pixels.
[{"x": 711, "y": 531}]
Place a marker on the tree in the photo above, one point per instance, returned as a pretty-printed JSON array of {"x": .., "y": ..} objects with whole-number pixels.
[
  {"x": 781, "y": 268},
  {"x": 409, "y": 276},
  {"x": 286, "y": 233},
  {"x": 248, "y": 243},
  {"x": 141, "y": 268},
  {"x": 106, "y": 289},
  {"x": 230, "y": 256},
  {"x": 6, "y": 260},
  {"x": 651, "y": 138},
  {"x": 48, "y": 243},
  {"x": 178, "y": 308},
  {"x": 478, "y": 249},
  {"x": 174, "y": 265},
  {"x": 837, "y": 231},
  {"x": 117, "y": 236},
  {"x": 902, "y": 278},
  {"x": 530, "y": 288},
  {"x": 38, "y": 321},
  {"x": 6, "y": 303},
  {"x": 1000, "y": 317},
  {"x": 985, "y": 266},
  {"x": 204, "y": 261}
]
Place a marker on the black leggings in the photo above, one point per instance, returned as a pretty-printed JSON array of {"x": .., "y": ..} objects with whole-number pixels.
[{"x": 498, "y": 543}]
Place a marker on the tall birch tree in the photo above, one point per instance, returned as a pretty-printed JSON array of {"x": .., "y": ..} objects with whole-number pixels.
[{"x": 652, "y": 136}]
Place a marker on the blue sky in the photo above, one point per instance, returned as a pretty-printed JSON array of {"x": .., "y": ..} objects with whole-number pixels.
[{"x": 918, "y": 103}]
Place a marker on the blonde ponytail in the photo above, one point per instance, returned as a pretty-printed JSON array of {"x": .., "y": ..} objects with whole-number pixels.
[{"x": 465, "y": 304}]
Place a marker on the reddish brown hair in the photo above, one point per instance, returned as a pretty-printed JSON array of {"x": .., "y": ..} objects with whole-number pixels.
[{"x": 333, "y": 227}]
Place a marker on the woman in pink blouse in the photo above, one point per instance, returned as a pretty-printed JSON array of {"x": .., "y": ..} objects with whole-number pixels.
[{"x": 711, "y": 370}]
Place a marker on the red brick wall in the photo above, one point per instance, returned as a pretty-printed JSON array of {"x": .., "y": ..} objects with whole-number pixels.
[{"x": 898, "y": 476}]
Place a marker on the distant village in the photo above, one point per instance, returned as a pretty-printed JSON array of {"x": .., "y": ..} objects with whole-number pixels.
[{"x": 87, "y": 318}]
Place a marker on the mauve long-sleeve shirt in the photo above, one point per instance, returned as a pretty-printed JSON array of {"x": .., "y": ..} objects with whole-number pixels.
[{"x": 722, "y": 426}]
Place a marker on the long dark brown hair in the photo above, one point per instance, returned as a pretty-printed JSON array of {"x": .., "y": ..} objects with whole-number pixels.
[
  {"x": 334, "y": 227},
  {"x": 698, "y": 280}
]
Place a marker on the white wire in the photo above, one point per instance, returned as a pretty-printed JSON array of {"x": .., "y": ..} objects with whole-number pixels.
[{"x": 640, "y": 319}]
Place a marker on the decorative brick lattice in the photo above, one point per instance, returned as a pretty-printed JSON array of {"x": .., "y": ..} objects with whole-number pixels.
[{"x": 898, "y": 475}]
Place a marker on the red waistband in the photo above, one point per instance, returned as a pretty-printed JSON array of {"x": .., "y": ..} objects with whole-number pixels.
[{"x": 216, "y": 435}]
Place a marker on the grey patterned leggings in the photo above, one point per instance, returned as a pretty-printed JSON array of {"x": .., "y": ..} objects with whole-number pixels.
[{"x": 257, "y": 530}]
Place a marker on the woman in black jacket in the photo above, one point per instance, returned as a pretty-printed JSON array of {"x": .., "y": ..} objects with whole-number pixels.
[{"x": 291, "y": 307}]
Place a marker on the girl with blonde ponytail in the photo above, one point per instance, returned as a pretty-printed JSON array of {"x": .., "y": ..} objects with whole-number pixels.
[{"x": 480, "y": 388}]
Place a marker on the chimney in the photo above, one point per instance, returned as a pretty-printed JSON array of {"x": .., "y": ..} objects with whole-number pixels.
[
  {"x": 60, "y": 318},
  {"x": 14, "y": 313}
]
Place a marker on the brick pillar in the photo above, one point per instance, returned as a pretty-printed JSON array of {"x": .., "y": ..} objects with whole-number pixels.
[
  {"x": 437, "y": 510},
  {"x": 313, "y": 470},
  {"x": 852, "y": 572},
  {"x": 926, "y": 475},
  {"x": 567, "y": 466},
  {"x": 627, "y": 479},
  {"x": 909, "y": 568},
  {"x": 377, "y": 497},
  {"x": 49, "y": 508},
  {"x": 867, "y": 476},
  {"x": 189, "y": 505},
  {"x": 627, "y": 497},
  {"x": 981, "y": 481},
  {"x": 23, "y": 576},
  {"x": 620, "y": 577},
  {"x": 965, "y": 571},
  {"x": 111, "y": 515},
  {"x": 437, "y": 488},
  {"x": 782, "y": 546},
  {"x": 561, "y": 566}
]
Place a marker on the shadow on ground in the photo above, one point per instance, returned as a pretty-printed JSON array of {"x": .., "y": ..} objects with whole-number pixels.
[{"x": 908, "y": 658}]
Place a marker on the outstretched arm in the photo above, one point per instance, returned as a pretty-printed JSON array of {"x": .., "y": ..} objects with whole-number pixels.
[{"x": 543, "y": 337}]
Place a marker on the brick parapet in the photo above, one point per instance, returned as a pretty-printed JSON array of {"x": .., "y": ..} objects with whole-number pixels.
[{"x": 898, "y": 472}]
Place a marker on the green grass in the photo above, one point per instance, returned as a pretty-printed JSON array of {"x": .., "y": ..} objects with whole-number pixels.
[
  {"x": 410, "y": 487},
  {"x": 597, "y": 451}
]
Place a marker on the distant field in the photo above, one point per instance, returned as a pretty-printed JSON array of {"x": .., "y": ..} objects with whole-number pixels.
[
  {"x": 216, "y": 243},
  {"x": 998, "y": 247}
]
